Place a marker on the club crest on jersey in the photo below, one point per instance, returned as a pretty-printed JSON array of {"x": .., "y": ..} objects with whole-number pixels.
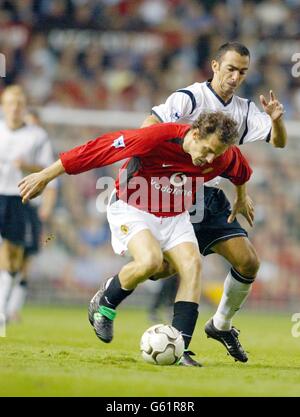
[
  {"x": 175, "y": 115},
  {"x": 124, "y": 229},
  {"x": 119, "y": 142}
]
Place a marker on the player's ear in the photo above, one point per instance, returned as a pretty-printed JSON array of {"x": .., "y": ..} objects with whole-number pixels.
[
  {"x": 196, "y": 134},
  {"x": 215, "y": 66}
]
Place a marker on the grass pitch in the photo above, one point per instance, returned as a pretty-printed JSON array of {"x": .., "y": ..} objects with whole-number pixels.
[{"x": 54, "y": 352}]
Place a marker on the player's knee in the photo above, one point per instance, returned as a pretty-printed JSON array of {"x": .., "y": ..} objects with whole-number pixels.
[
  {"x": 13, "y": 265},
  {"x": 191, "y": 269},
  {"x": 14, "y": 260},
  {"x": 150, "y": 264},
  {"x": 249, "y": 266},
  {"x": 166, "y": 270},
  {"x": 10, "y": 265},
  {"x": 11, "y": 257}
]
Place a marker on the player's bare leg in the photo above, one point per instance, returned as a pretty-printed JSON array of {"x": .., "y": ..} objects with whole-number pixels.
[
  {"x": 185, "y": 259},
  {"x": 147, "y": 260},
  {"x": 241, "y": 254},
  {"x": 165, "y": 271},
  {"x": 11, "y": 256}
]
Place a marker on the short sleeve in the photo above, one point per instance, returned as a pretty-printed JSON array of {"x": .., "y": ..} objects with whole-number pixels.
[
  {"x": 180, "y": 104},
  {"x": 44, "y": 153},
  {"x": 258, "y": 125}
]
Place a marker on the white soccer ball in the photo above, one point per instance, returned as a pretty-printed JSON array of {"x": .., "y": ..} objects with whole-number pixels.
[{"x": 162, "y": 345}]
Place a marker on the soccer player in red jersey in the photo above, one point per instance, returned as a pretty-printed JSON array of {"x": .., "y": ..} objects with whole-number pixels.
[
  {"x": 219, "y": 231},
  {"x": 154, "y": 229}
]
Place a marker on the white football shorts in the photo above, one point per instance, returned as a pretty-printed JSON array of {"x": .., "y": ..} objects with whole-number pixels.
[{"x": 125, "y": 221}]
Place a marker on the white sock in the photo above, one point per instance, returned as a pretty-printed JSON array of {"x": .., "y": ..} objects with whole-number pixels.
[
  {"x": 5, "y": 287},
  {"x": 234, "y": 295},
  {"x": 17, "y": 298}
]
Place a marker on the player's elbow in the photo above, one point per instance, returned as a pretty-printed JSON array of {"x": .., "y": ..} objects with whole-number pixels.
[
  {"x": 244, "y": 177},
  {"x": 278, "y": 142},
  {"x": 279, "y": 145},
  {"x": 150, "y": 120},
  {"x": 239, "y": 181}
]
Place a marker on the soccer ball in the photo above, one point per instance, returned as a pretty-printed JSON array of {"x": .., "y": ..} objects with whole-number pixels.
[{"x": 162, "y": 345}]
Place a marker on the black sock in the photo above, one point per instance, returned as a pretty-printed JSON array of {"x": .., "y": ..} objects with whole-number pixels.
[
  {"x": 241, "y": 278},
  {"x": 114, "y": 294},
  {"x": 184, "y": 319}
]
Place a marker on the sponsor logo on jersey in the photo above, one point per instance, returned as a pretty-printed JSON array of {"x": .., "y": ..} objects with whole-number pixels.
[
  {"x": 178, "y": 179},
  {"x": 178, "y": 184},
  {"x": 119, "y": 142}
]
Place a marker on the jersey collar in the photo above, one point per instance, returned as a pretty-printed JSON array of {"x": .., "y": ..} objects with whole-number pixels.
[
  {"x": 225, "y": 103},
  {"x": 18, "y": 128}
]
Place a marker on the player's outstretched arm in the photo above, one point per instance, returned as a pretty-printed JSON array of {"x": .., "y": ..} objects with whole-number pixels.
[
  {"x": 104, "y": 150},
  {"x": 34, "y": 184},
  {"x": 239, "y": 173},
  {"x": 275, "y": 110}
]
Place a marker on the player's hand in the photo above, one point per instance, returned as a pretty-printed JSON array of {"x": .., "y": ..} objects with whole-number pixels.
[
  {"x": 273, "y": 108},
  {"x": 245, "y": 208},
  {"x": 32, "y": 186}
]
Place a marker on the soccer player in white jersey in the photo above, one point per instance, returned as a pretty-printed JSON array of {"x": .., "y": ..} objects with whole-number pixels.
[
  {"x": 220, "y": 232},
  {"x": 38, "y": 213},
  {"x": 24, "y": 149}
]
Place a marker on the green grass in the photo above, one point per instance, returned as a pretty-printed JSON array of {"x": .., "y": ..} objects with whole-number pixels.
[{"x": 54, "y": 352}]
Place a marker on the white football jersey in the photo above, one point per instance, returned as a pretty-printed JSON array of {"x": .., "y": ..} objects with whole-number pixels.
[
  {"x": 186, "y": 105},
  {"x": 29, "y": 144}
]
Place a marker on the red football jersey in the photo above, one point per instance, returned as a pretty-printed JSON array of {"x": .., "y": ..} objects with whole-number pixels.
[{"x": 159, "y": 177}]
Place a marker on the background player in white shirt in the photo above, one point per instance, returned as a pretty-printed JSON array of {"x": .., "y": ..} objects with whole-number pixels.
[
  {"x": 220, "y": 232},
  {"x": 38, "y": 214},
  {"x": 24, "y": 149}
]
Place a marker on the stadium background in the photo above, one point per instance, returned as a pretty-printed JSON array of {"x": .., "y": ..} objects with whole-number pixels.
[{"x": 95, "y": 65}]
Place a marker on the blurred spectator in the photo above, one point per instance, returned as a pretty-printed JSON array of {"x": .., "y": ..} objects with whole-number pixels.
[
  {"x": 63, "y": 50},
  {"x": 129, "y": 54}
]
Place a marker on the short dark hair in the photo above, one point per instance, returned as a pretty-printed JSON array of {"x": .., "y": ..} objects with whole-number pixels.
[
  {"x": 217, "y": 122},
  {"x": 232, "y": 46}
]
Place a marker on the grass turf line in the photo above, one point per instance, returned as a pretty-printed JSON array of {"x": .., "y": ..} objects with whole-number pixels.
[{"x": 54, "y": 352}]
